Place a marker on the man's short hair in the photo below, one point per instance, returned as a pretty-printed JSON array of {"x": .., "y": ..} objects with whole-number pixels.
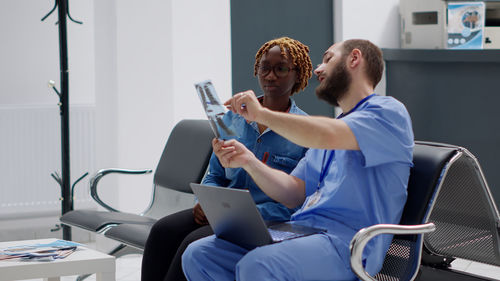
[{"x": 372, "y": 55}]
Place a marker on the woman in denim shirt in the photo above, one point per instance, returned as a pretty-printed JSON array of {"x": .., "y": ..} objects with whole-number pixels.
[
  {"x": 276, "y": 151},
  {"x": 283, "y": 68}
]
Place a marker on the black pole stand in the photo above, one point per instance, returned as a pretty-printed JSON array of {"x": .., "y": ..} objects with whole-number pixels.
[
  {"x": 64, "y": 182},
  {"x": 67, "y": 200}
]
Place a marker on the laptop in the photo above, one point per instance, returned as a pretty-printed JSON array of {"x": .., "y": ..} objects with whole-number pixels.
[{"x": 234, "y": 217}]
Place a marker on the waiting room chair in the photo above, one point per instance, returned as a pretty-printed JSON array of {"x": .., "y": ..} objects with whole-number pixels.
[
  {"x": 432, "y": 164},
  {"x": 467, "y": 222},
  {"x": 184, "y": 160}
]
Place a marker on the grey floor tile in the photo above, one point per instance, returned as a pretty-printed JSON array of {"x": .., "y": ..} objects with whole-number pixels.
[
  {"x": 484, "y": 270},
  {"x": 460, "y": 264}
]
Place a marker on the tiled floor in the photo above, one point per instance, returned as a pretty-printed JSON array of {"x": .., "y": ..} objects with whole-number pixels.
[
  {"x": 128, "y": 268},
  {"x": 477, "y": 268}
]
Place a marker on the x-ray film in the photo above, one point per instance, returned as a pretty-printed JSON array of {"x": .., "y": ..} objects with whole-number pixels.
[{"x": 214, "y": 109}]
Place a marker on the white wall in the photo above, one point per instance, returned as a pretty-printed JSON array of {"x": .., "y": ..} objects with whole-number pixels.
[
  {"x": 201, "y": 36},
  {"x": 29, "y": 53},
  {"x": 377, "y": 21},
  {"x": 29, "y": 57},
  {"x": 163, "y": 48},
  {"x": 106, "y": 93},
  {"x": 144, "y": 93},
  {"x": 136, "y": 61}
]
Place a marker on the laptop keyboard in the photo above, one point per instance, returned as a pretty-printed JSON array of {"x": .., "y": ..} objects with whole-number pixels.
[{"x": 279, "y": 235}]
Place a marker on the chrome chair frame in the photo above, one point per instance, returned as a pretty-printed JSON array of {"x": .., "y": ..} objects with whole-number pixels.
[{"x": 364, "y": 235}]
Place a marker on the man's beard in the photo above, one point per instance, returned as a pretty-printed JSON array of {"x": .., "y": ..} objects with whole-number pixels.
[{"x": 335, "y": 85}]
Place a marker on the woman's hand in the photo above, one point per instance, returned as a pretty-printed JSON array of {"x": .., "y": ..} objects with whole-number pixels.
[
  {"x": 232, "y": 153},
  {"x": 199, "y": 215}
]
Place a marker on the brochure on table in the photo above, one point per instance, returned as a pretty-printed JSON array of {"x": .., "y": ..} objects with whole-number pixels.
[{"x": 51, "y": 251}]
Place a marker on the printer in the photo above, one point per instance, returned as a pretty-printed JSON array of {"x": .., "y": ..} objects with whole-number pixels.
[{"x": 441, "y": 24}]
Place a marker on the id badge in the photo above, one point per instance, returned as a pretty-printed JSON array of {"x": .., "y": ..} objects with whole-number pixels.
[{"x": 313, "y": 199}]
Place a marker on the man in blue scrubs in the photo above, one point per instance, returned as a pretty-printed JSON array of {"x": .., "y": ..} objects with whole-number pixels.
[{"x": 355, "y": 175}]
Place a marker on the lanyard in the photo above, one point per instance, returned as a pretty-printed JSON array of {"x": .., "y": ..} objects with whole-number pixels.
[
  {"x": 324, "y": 168},
  {"x": 356, "y": 106}
]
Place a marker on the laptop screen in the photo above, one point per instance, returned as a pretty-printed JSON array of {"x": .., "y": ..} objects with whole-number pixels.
[{"x": 234, "y": 217}]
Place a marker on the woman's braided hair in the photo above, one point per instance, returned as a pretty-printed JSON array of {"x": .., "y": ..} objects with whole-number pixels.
[{"x": 300, "y": 58}]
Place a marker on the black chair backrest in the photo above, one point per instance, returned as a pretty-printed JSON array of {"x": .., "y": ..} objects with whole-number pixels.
[
  {"x": 430, "y": 161},
  {"x": 465, "y": 214},
  {"x": 186, "y": 155}
]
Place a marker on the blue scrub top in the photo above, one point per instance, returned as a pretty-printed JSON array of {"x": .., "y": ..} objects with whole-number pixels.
[
  {"x": 276, "y": 151},
  {"x": 365, "y": 187}
]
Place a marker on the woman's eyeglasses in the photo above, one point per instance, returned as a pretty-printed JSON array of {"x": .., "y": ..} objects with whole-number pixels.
[{"x": 279, "y": 70}]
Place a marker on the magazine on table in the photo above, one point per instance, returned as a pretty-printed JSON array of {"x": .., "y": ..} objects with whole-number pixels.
[{"x": 49, "y": 251}]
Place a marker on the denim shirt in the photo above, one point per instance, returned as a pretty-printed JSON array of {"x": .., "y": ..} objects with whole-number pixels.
[{"x": 274, "y": 150}]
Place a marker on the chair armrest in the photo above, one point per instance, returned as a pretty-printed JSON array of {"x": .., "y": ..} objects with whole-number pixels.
[
  {"x": 101, "y": 173},
  {"x": 364, "y": 235}
]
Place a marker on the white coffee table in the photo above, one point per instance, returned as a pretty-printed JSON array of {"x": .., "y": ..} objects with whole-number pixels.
[{"x": 82, "y": 261}]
